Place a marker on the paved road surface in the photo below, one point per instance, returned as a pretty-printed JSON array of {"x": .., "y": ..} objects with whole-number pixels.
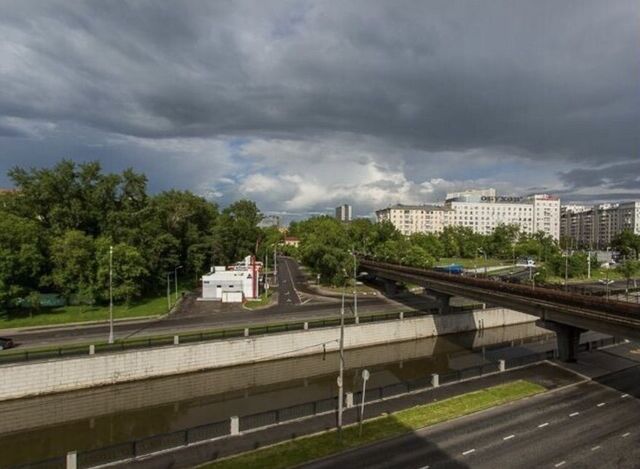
[
  {"x": 289, "y": 277},
  {"x": 591, "y": 425}
]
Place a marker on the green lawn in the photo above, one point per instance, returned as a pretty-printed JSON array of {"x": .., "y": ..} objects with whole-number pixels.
[
  {"x": 264, "y": 300},
  {"x": 70, "y": 314},
  {"x": 596, "y": 275},
  {"x": 472, "y": 263},
  {"x": 293, "y": 453}
]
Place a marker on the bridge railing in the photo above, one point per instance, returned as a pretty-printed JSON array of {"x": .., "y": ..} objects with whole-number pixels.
[{"x": 606, "y": 305}]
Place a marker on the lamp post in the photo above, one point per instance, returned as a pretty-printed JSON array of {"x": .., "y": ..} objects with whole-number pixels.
[
  {"x": 340, "y": 379},
  {"x": 168, "y": 291},
  {"x": 355, "y": 284},
  {"x": 588, "y": 264},
  {"x": 110, "y": 294},
  {"x": 483, "y": 252},
  {"x": 175, "y": 277},
  {"x": 365, "y": 378},
  {"x": 533, "y": 280},
  {"x": 566, "y": 270}
]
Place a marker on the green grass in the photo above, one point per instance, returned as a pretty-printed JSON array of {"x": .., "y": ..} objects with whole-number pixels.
[
  {"x": 71, "y": 314},
  {"x": 264, "y": 300},
  {"x": 596, "y": 275},
  {"x": 293, "y": 453},
  {"x": 473, "y": 262}
]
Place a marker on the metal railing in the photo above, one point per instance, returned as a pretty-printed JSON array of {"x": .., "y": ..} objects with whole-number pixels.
[
  {"x": 205, "y": 336},
  {"x": 246, "y": 423}
]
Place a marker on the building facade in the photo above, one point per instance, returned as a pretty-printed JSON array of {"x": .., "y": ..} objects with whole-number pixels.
[
  {"x": 344, "y": 212},
  {"x": 596, "y": 227},
  {"x": 480, "y": 210}
]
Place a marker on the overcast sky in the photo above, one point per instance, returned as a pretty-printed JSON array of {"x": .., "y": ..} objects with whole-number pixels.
[{"x": 303, "y": 105}]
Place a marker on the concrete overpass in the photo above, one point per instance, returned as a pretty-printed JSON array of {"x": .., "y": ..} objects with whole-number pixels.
[{"x": 567, "y": 314}]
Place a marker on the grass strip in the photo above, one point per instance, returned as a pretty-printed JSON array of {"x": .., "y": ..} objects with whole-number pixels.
[{"x": 292, "y": 453}]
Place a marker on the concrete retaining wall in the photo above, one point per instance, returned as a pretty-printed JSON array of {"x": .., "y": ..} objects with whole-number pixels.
[{"x": 28, "y": 379}]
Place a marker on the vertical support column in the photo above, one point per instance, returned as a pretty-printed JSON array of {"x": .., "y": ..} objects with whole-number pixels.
[
  {"x": 306, "y": 326},
  {"x": 568, "y": 338},
  {"x": 234, "y": 425},
  {"x": 72, "y": 460},
  {"x": 443, "y": 301},
  {"x": 501, "y": 365},
  {"x": 246, "y": 332},
  {"x": 435, "y": 380},
  {"x": 92, "y": 349},
  {"x": 176, "y": 340},
  {"x": 348, "y": 400}
]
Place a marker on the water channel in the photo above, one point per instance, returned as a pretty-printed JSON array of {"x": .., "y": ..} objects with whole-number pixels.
[{"x": 38, "y": 428}]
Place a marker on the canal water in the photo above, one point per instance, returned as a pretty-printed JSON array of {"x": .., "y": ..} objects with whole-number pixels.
[{"x": 38, "y": 428}]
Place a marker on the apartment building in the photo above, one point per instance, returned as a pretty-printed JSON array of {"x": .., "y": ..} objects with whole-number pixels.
[
  {"x": 597, "y": 226},
  {"x": 481, "y": 210}
]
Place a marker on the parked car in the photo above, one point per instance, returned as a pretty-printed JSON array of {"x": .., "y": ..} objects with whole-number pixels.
[{"x": 6, "y": 343}]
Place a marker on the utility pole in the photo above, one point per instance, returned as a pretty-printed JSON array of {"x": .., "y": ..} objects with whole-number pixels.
[
  {"x": 275, "y": 264},
  {"x": 355, "y": 285},
  {"x": 110, "y": 294},
  {"x": 341, "y": 373},
  {"x": 588, "y": 264},
  {"x": 175, "y": 276},
  {"x": 168, "y": 291},
  {"x": 566, "y": 270}
]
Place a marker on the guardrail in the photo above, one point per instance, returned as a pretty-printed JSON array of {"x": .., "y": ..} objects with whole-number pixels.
[
  {"x": 127, "y": 451},
  {"x": 8, "y": 356}
]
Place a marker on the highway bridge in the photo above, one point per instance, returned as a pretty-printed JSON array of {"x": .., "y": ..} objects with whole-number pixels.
[{"x": 567, "y": 314}]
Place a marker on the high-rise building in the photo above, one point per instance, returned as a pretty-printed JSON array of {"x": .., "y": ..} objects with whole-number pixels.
[
  {"x": 596, "y": 227},
  {"x": 343, "y": 212},
  {"x": 480, "y": 210}
]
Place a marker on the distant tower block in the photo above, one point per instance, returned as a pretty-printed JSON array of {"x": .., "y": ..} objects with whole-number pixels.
[{"x": 344, "y": 212}]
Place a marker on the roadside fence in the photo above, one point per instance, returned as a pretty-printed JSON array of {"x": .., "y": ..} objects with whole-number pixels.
[{"x": 127, "y": 451}]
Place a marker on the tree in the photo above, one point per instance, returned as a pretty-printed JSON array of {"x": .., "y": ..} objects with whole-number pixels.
[
  {"x": 628, "y": 244},
  {"x": 628, "y": 269},
  {"x": 73, "y": 261},
  {"x": 128, "y": 271},
  {"x": 22, "y": 260}
]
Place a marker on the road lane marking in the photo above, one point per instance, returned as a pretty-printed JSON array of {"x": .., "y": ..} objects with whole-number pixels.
[
  {"x": 508, "y": 437},
  {"x": 601, "y": 404},
  {"x": 626, "y": 434},
  {"x": 624, "y": 395},
  {"x": 469, "y": 451},
  {"x": 574, "y": 414},
  {"x": 424, "y": 467},
  {"x": 595, "y": 448},
  {"x": 543, "y": 425},
  {"x": 561, "y": 463}
]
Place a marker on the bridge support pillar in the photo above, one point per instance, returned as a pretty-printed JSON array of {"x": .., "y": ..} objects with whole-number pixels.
[
  {"x": 568, "y": 338},
  {"x": 442, "y": 299},
  {"x": 390, "y": 287}
]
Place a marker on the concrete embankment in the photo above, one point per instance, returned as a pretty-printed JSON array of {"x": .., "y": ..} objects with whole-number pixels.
[{"x": 28, "y": 379}]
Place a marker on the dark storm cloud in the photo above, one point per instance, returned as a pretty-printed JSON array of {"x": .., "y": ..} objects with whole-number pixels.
[
  {"x": 624, "y": 176},
  {"x": 546, "y": 82}
]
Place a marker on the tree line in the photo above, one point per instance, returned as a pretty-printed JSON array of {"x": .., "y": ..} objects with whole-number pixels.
[{"x": 58, "y": 225}]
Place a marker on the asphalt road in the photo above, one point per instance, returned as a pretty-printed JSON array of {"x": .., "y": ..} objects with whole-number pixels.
[
  {"x": 590, "y": 425},
  {"x": 197, "y": 316}
]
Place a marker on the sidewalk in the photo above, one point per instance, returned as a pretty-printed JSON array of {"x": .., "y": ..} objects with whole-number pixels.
[{"x": 545, "y": 374}]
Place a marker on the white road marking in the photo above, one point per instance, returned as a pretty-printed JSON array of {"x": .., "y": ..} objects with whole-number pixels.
[
  {"x": 469, "y": 451},
  {"x": 574, "y": 414},
  {"x": 624, "y": 395},
  {"x": 508, "y": 437},
  {"x": 543, "y": 425},
  {"x": 561, "y": 463},
  {"x": 424, "y": 467},
  {"x": 595, "y": 448},
  {"x": 601, "y": 404},
  {"x": 626, "y": 434}
]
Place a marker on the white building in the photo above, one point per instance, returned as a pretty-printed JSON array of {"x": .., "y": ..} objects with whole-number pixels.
[
  {"x": 480, "y": 210},
  {"x": 597, "y": 226},
  {"x": 235, "y": 284},
  {"x": 344, "y": 212}
]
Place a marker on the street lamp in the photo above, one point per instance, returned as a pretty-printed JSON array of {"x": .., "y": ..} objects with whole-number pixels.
[
  {"x": 533, "y": 280},
  {"x": 606, "y": 283},
  {"x": 341, "y": 372},
  {"x": 175, "y": 277},
  {"x": 355, "y": 284},
  {"x": 482, "y": 251},
  {"x": 110, "y": 294}
]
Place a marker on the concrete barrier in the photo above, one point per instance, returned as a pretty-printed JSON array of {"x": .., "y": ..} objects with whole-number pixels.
[{"x": 28, "y": 379}]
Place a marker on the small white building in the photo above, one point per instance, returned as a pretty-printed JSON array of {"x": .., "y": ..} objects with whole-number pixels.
[{"x": 233, "y": 285}]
